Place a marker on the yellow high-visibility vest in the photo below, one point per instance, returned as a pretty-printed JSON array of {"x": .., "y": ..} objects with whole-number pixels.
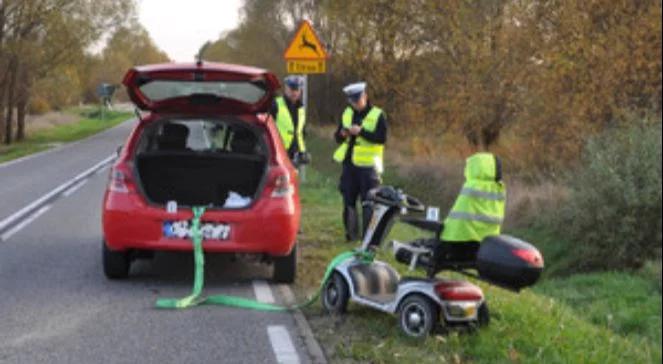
[
  {"x": 479, "y": 209},
  {"x": 286, "y": 126},
  {"x": 364, "y": 153}
]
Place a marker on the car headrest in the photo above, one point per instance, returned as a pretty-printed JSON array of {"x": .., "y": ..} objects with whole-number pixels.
[
  {"x": 173, "y": 137},
  {"x": 243, "y": 141}
]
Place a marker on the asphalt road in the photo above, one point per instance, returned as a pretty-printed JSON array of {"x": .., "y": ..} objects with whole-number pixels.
[{"x": 56, "y": 306}]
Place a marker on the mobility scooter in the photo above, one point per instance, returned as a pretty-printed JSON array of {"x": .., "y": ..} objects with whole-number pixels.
[{"x": 423, "y": 304}]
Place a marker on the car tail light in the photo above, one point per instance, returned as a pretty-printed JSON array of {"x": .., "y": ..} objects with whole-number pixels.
[
  {"x": 532, "y": 257},
  {"x": 458, "y": 291},
  {"x": 121, "y": 180},
  {"x": 281, "y": 184}
]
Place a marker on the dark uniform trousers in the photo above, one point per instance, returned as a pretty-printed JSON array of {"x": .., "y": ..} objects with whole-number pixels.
[{"x": 355, "y": 183}]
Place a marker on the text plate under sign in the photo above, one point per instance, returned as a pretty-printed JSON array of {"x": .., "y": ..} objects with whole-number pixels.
[{"x": 306, "y": 66}]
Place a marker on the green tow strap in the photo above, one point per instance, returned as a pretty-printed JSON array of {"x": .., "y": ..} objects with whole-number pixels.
[{"x": 195, "y": 299}]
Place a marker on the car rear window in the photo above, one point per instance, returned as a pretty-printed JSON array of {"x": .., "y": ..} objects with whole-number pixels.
[
  {"x": 246, "y": 92},
  {"x": 214, "y": 136}
]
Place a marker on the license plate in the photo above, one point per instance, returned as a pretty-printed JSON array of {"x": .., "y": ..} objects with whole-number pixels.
[{"x": 182, "y": 230}]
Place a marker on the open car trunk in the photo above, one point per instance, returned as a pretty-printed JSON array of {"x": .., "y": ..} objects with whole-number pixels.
[{"x": 214, "y": 163}]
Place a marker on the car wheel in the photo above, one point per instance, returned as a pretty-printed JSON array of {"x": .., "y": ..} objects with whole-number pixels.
[
  {"x": 285, "y": 268},
  {"x": 335, "y": 294},
  {"x": 483, "y": 315},
  {"x": 418, "y": 316},
  {"x": 116, "y": 263}
]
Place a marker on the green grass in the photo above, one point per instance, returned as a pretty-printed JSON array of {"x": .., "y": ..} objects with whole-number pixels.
[
  {"x": 90, "y": 123},
  {"x": 624, "y": 303},
  {"x": 593, "y": 318}
]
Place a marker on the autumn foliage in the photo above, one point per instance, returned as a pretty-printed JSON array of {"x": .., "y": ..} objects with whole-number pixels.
[
  {"x": 564, "y": 91},
  {"x": 539, "y": 76},
  {"x": 47, "y": 56}
]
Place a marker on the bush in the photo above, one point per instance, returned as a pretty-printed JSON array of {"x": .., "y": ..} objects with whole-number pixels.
[
  {"x": 613, "y": 215},
  {"x": 39, "y": 105}
]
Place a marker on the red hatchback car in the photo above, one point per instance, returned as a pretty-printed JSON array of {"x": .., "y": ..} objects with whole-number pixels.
[{"x": 207, "y": 140}]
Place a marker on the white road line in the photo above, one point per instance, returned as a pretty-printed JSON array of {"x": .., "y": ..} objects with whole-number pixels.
[
  {"x": 18, "y": 215},
  {"x": 262, "y": 291},
  {"x": 314, "y": 350},
  {"x": 64, "y": 146},
  {"x": 282, "y": 345},
  {"x": 102, "y": 169},
  {"x": 24, "y": 223},
  {"x": 74, "y": 188}
]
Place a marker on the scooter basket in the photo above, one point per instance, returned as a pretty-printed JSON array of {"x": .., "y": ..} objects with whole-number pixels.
[{"x": 509, "y": 262}]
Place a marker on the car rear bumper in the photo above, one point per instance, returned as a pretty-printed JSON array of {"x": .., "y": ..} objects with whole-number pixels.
[{"x": 269, "y": 226}]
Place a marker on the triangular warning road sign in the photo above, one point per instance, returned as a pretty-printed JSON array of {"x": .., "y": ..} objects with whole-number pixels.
[{"x": 305, "y": 44}]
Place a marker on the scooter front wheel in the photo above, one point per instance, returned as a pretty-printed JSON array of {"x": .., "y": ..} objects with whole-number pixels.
[
  {"x": 335, "y": 294},
  {"x": 418, "y": 316}
]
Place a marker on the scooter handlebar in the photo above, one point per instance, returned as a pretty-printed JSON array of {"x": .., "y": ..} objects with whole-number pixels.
[
  {"x": 391, "y": 196},
  {"x": 414, "y": 204}
]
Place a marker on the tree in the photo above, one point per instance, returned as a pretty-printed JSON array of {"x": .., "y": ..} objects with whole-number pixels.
[
  {"x": 259, "y": 39},
  {"x": 38, "y": 36},
  {"x": 127, "y": 46},
  {"x": 598, "y": 63}
]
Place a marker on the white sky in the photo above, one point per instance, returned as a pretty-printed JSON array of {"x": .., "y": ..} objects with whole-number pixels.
[{"x": 180, "y": 27}]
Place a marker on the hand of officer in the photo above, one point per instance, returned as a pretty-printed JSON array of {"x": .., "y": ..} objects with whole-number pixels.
[
  {"x": 343, "y": 133},
  {"x": 355, "y": 129}
]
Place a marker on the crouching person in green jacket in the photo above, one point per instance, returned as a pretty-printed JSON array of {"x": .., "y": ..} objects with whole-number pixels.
[{"x": 478, "y": 211}]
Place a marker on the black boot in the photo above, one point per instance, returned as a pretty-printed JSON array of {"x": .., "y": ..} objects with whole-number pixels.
[{"x": 350, "y": 221}]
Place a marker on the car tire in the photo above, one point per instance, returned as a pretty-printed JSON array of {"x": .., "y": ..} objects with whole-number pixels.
[
  {"x": 116, "y": 263},
  {"x": 285, "y": 268},
  {"x": 418, "y": 316},
  {"x": 335, "y": 294}
]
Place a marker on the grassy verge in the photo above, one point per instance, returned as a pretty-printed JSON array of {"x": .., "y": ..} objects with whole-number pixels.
[
  {"x": 627, "y": 304},
  {"x": 602, "y": 317},
  {"x": 90, "y": 123}
]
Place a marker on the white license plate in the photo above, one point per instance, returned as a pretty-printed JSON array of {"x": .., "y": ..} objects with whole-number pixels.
[{"x": 182, "y": 230}]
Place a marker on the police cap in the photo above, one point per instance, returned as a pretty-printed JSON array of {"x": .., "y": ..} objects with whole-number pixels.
[
  {"x": 354, "y": 90},
  {"x": 294, "y": 82}
]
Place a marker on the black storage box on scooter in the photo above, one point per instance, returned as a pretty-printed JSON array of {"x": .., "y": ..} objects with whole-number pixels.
[{"x": 509, "y": 262}]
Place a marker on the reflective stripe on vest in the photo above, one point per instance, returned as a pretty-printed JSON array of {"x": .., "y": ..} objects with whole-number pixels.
[
  {"x": 475, "y": 217},
  {"x": 286, "y": 127},
  {"x": 482, "y": 194},
  {"x": 364, "y": 153}
]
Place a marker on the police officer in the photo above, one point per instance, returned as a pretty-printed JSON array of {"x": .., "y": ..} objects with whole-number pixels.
[
  {"x": 361, "y": 136},
  {"x": 290, "y": 116}
]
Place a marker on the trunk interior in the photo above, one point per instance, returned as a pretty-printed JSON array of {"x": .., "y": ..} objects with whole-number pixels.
[{"x": 210, "y": 163}]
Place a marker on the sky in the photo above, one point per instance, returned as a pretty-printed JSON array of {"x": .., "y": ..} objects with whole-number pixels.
[{"x": 180, "y": 27}]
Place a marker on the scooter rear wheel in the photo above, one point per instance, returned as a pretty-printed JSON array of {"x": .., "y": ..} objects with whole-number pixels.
[
  {"x": 418, "y": 316},
  {"x": 335, "y": 294}
]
